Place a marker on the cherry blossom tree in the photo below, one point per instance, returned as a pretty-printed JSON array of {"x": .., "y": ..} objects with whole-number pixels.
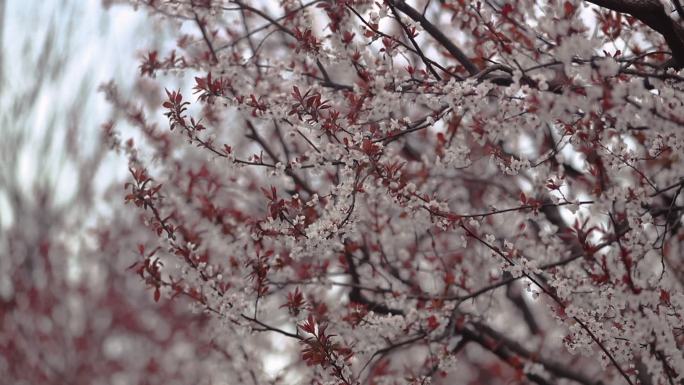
[{"x": 425, "y": 191}]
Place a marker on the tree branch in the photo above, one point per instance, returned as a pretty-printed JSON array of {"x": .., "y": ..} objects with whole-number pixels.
[
  {"x": 653, "y": 14},
  {"x": 437, "y": 35}
]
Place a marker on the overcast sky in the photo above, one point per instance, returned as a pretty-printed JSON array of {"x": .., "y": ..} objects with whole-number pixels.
[{"x": 40, "y": 99}]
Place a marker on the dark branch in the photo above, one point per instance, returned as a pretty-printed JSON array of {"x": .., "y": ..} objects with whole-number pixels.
[
  {"x": 653, "y": 14},
  {"x": 438, "y": 35}
]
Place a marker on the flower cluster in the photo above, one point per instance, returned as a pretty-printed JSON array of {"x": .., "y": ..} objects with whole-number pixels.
[{"x": 450, "y": 187}]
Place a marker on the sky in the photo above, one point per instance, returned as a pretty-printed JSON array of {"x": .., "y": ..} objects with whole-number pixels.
[{"x": 55, "y": 54}]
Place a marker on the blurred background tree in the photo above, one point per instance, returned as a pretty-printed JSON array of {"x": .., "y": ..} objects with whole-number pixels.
[{"x": 71, "y": 312}]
